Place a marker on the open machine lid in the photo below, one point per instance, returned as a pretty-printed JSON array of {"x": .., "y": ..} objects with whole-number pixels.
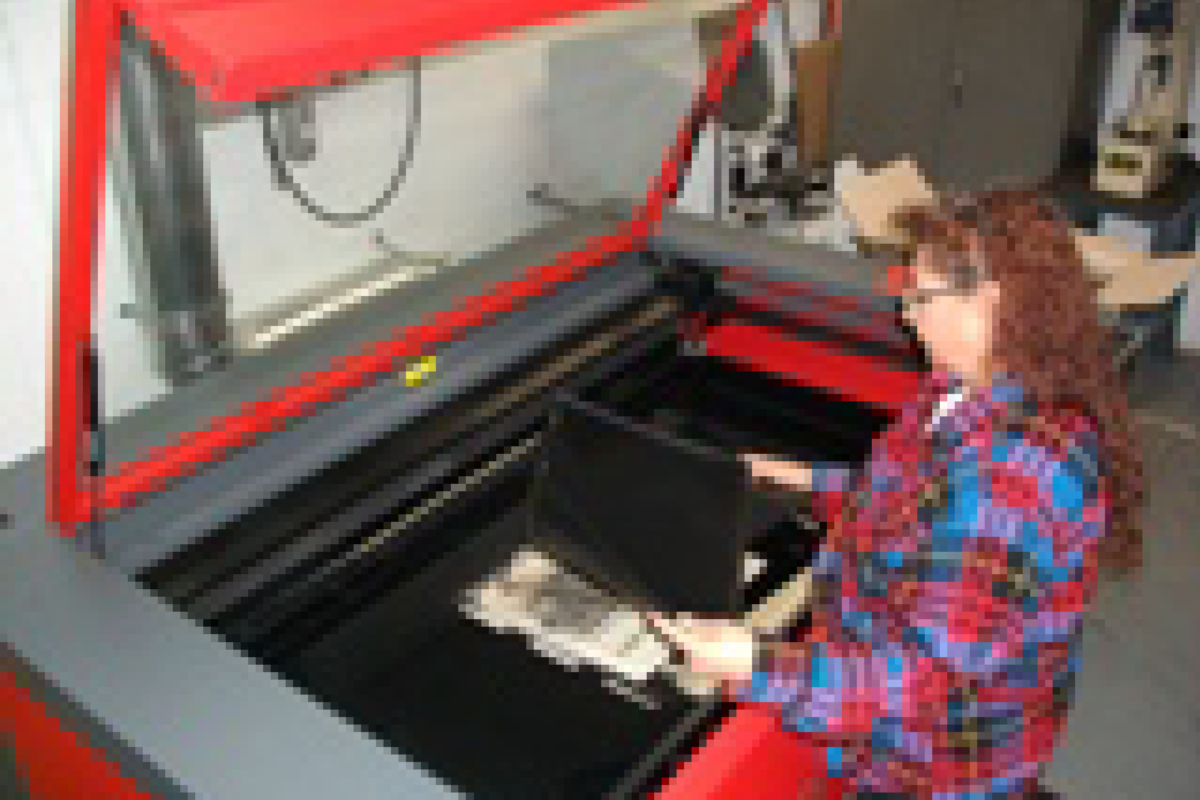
[
  {"x": 237, "y": 50},
  {"x": 224, "y": 59}
]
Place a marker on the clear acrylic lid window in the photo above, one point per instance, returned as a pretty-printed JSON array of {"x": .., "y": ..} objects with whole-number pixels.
[{"x": 250, "y": 244}]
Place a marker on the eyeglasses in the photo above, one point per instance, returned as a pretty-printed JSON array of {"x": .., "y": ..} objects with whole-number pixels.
[{"x": 918, "y": 298}]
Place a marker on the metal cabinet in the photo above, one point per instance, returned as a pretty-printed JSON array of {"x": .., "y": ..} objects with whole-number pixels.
[{"x": 976, "y": 91}]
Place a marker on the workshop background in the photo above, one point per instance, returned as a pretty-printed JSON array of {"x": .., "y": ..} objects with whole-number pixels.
[{"x": 1136, "y": 730}]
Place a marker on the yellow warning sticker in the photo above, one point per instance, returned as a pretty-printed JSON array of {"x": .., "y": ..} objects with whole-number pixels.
[{"x": 421, "y": 371}]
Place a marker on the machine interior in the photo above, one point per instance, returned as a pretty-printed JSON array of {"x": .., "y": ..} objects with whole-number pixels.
[{"x": 350, "y": 590}]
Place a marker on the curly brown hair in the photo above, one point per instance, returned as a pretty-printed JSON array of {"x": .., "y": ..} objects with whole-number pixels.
[{"x": 1049, "y": 334}]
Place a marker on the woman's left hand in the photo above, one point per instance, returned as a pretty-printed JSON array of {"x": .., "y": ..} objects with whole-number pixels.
[{"x": 719, "y": 648}]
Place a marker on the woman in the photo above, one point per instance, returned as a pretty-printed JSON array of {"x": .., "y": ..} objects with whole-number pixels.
[{"x": 950, "y": 592}]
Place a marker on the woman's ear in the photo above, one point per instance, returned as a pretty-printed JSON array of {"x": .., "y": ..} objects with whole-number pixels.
[
  {"x": 989, "y": 290},
  {"x": 986, "y": 301}
]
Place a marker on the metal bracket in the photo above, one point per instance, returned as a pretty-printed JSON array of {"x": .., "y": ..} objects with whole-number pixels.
[
  {"x": 297, "y": 128},
  {"x": 435, "y": 260},
  {"x": 543, "y": 196}
]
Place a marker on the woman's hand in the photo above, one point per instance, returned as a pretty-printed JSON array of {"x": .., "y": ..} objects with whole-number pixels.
[
  {"x": 719, "y": 648},
  {"x": 785, "y": 473}
]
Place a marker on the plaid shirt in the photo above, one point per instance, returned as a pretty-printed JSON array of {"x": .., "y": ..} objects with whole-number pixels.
[{"x": 942, "y": 659}]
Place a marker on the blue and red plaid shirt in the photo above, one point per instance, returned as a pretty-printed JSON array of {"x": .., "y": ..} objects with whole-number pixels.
[{"x": 943, "y": 651}]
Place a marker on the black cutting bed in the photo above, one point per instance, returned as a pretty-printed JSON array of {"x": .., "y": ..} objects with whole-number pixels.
[{"x": 372, "y": 627}]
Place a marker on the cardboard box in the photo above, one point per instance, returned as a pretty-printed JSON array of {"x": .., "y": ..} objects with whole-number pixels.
[
  {"x": 1130, "y": 277},
  {"x": 816, "y": 83},
  {"x": 870, "y": 198}
]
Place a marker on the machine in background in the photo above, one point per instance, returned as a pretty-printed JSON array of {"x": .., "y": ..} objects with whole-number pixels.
[{"x": 1136, "y": 151}]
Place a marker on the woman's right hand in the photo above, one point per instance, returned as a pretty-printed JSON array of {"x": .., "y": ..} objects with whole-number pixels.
[{"x": 788, "y": 474}]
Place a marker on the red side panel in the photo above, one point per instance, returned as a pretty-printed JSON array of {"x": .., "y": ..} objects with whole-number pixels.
[
  {"x": 752, "y": 758},
  {"x": 55, "y": 763},
  {"x": 857, "y": 378}
]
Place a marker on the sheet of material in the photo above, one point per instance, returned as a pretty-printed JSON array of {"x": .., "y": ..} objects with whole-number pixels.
[
  {"x": 566, "y": 618},
  {"x": 771, "y": 616},
  {"x": 571, "y": 623}
]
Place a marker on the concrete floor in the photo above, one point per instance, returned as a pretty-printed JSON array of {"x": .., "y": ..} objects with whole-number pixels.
[{"x": 1135, "y": 731}]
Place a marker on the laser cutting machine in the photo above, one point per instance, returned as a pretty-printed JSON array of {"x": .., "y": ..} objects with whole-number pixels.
[{"x": 250, "y": 583}]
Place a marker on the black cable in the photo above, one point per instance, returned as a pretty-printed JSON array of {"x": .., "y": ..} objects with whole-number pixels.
[
  {"x": 96, "y": 454},
  {"x": 287, "y": 180}
]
